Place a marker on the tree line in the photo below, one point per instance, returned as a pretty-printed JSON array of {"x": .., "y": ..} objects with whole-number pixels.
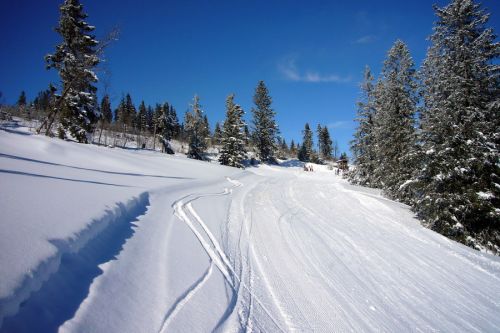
[
  {"x": 430, "y": 138},
  {"x": 74, "y": 111}
]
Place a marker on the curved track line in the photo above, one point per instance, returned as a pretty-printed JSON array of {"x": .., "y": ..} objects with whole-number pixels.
[{"x": 185, "y": 298}]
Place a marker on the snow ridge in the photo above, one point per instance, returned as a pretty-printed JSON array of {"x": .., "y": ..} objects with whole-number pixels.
[{"x": 112, "y": 220}]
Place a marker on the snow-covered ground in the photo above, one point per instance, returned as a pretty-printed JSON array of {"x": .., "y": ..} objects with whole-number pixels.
[{"x": 94, "y": 239}]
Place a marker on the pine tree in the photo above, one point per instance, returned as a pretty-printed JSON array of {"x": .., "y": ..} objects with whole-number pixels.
[
  {"x": 157, "y": 122},
  {"x": 265, "y": 127},
  {"x": 167, "y": 126},
  {"x": 195, "y": 127},
  {"x": 233, "y": 136},
  {"x": 363, "y": 145},
  {"x": 129, "y": 113},
  {"x": 305, "y": 153},
  {"x": 326, "y": 148},
  {"x": 247, "y": 135},
  {"x": 141, "y": 122},
  {"x": 460, "y": 195},
  {"x": 150, "y": 119},
  {"x": 21, "y": 101},
  {"x": 107, "y": 114},
  {"x": 293, "y": 148},
  {"x": 395, "y": 134},
  {"x": 75, "y": 59},
  {"x": 217, "y": 134}
]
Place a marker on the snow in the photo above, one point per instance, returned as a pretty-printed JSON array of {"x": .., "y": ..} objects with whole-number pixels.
[{"x": 94, "y": 239}]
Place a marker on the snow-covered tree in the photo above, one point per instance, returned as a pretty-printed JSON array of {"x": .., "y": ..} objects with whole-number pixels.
[
  {"x": 460, "y": 183},
  {"x": 141, "y": 119},
  {"x": 167, "y": 126},
  {"x": 265, "y": 127},
  {"x": 233, "y": 136},
  {"x": 363, "y": 145},
  {"x": 305, "y": 153},
  {"x": 75, "y": 59},
  {"x": 195, "y": 127},
  {"x": 394, "y": 131}
]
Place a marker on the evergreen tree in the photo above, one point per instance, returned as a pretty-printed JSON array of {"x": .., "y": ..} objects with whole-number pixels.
[
  {"x": 363, "y": 145},
  {"x": 305, "y": 153},
  {"x": 233, "y": 136},
  {"x": 107, "y": 114},
  {"x": 265, "y": 127},
  {"x": 284, "y": 151},
  {"x": 395, "y": 134},
  {"x": 43, "y": 99},
  {"x": 460, "y": 196},
  {"x": 21, "y": 101},
  {"x": 120, "y": 111},
  {"x": 167, "y": 126},
  {"x": 158, "y": 115},
  {"x": 195, "y": 127},
  {"x": 129, "y": 113},
  {"x": 326, "y": 142},
  {"x": 247, "y": 135},
  {"x": 75, "y": 59},
  {"x": 293, "y": 148},
  {"x": 141, "y": 122},
  {"x": 150, "y": 119},
  {"x": 217, "y": 134}
]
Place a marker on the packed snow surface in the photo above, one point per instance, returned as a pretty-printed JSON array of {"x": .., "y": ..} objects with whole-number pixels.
[{"x": 94, "y": 239}]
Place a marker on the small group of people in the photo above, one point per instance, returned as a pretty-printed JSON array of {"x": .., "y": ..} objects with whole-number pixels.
[{"x": 308, "y": 167}]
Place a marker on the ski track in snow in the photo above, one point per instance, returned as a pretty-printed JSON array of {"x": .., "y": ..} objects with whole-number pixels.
[{"x": 183, "y": 209}]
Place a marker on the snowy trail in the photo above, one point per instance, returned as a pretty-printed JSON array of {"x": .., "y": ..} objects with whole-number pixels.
[
  {"x": 206, "y": 248},
  {"x": 352, "y": 260}
]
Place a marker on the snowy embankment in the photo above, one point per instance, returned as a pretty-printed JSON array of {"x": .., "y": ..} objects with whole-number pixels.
[{"x": 94, "y": 239}]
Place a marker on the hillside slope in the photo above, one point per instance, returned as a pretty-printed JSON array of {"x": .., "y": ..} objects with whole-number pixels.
[{"x": 111, "y": 240}]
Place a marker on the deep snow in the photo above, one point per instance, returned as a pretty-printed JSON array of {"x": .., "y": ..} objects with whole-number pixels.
[{"x": 94, "y": 239}]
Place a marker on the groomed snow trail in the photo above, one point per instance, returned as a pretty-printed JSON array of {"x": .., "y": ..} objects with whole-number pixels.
[{"x": 323, "y": 255}]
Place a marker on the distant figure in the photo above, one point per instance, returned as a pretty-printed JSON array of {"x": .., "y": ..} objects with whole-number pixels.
[{"x": 308, "y": 167}]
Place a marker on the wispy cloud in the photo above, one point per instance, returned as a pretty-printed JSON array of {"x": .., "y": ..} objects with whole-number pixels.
[
  {"x": 365, "y": 39},
  {"x": 291, "y": 72},
  {"x": 340, "y": 124}
]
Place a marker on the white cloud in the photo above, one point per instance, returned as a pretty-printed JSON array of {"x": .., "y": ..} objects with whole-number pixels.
[
  {"x": 340, "y": 124},
  {"x": 290, "y": 71},
  {"x": 365, "y": 39}
]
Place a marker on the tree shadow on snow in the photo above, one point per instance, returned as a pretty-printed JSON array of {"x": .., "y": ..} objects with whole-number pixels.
[
  {"x": 88, "y": 169},
  {"x": 62, "y": 294},
  {"x": 13, "y": 172}
]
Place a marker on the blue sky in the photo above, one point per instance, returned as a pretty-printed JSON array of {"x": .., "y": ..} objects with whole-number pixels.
[{"x": 311, "y": 54}]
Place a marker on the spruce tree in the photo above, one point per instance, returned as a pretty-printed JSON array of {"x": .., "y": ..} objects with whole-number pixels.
[
  {"x": 305, "y": 153},
  {"x": 394, "y": 131},
  {"x": 460, "y": 196},
  {"x": 167, "y": 126},
  {"x": 363, "y": 145},
  {"x": 217, "y": 134},
  {"x": 195, "y": 127},
  {"x": 107, "y": 114},
  {"x": 75, "y": 59},
  {"x": 141, "y": 122},
  {"x": 293, "y": 148},
  {"x": 233, "y": 136},
  {"x": 21, "y": 101},
  {"x": 265, "y": 127},
  {"x": 326, "y": 143}
]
